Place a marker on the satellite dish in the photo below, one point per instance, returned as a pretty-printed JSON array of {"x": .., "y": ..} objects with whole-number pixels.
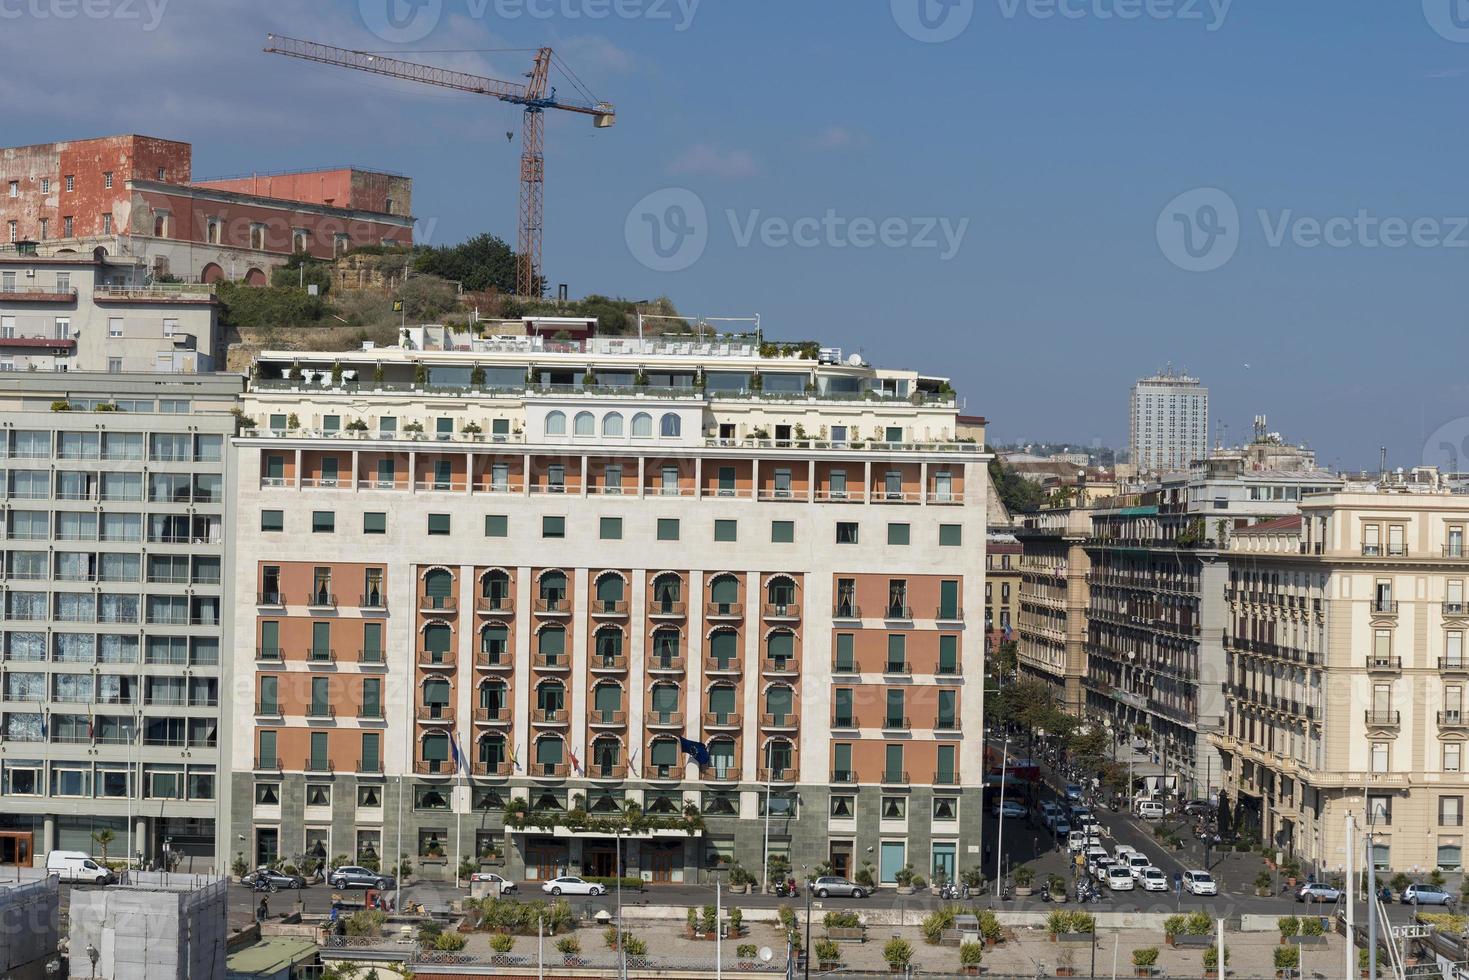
[
  {"x": 766, "y": 954},
  {"x": 855, "y": 360}
]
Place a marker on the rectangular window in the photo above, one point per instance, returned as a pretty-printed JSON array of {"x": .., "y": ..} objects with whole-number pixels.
[
  {"x": 272, "y": 520},
  {"x": 71, "y": 183},
  {"x": 375, "y": 522},
  {"x": 553, "y": 527},
  {"x": 1451, "y": 811},
  {"x": 898, "y": 534},
  {"x": 782, "y": 532},
  {"x": 668, "y": 529},
  {"x": 323, "y": 522},
  {"x": 951, "y": 535},
  {"x": 725, "y": 530},
  {"x": 438, "y": 524},
  {"x": 114, "y": 326},
  {"x": 107, "y": 179},
  {"x": 846, "y": 532},
  {"x": 496, "y": 526},
  {"x": 611, "y": 529},
  {"x": 845, "y": 661}
]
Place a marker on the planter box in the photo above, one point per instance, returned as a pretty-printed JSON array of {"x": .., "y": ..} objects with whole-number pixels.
[
  {"x": 1193, "y": 942},
  {"x": 1075, "y": 938},
  {"x": 1308, "y": 940},
  {"x": 1024, "y": 891},
  {"x": 839, "y": 935}
]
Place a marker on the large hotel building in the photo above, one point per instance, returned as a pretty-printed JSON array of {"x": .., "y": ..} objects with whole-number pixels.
[{"x": 477, "y": 576}]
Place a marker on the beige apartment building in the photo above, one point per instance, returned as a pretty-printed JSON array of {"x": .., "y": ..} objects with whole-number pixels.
[
  {"x": 482, "y": 574},
  {"x": 1054, "y": 597},
  {"x": 1346, "y": 677}
]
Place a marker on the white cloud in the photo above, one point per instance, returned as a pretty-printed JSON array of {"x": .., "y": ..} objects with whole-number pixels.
[
  {"x": 703, "y": 160},
  {"x": 837, "y": 138}
]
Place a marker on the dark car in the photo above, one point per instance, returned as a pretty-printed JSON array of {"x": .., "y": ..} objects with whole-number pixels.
[
  {"x": 352, "y": 876},
  {"x": 276, "y": 880},
  {"x": 1199, "y": 808}
]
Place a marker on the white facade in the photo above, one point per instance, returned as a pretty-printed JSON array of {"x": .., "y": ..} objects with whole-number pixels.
[{"x": 1169, "y": 422}]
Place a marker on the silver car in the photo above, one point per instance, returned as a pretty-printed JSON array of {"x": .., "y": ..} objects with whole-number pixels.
[{"x": 829, "y": 885}]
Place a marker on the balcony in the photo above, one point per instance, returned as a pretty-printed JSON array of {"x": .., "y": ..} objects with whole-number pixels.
[
  {"x": 1384, "y": 665},
  {"x": 273, "y": 598},
  {"x": 321, "y": 600},
  {"x": 664, "y": 774},
  {"x": 782, "y": 722},
  {"x": 556, "y": 605},
  {"x": 844, "y": 775},
  {"x": 1455, "y": 609},
  {"x": 370, "y": 712},
  {"x": 269, "y": 654},
  {"x": 548, "y": 770},
  {"x": 370, "y": 658},
  {"x": 898, "y": 612},
  {"x": 724, "y": 610},
  {"x": 845, "y": 665},
  {"x": 437, "y": 660},
  {"x": 373, "y": 601},
  {"x": 949, "y": 614},
  {"x": 946, "y": 779},
  {"x": 607, "y": 718},
  {"x": 783, "y": 612},
  {"x": 499, "y": 769},
  {"x": 1381, "y": 719},
  {"x": 317, "y": 765},
  {"x": 491, "y": 716},
  {"x": 438, "y": 605},
  {"x": 320, "y": 712},
  {"x": 722, "y": 719},
  {"x": 609, "y": 608},
  {"x": 846, "y": 610},
  {"x": 435, "y": 714},
  {"x": 1453, "y": 665},
  {"x": 552, "y": 662},
  {"x": 1384, "y": 607},
  {"x": 725, "y": 774},
  {"x": 493, "y": 660},
  {"x": 779, "y": 666},
  {"x": 268, "y": 763},
  {"x": 268, "y": 709},
  {"x": 782, "y": 775},
  {"x": 896, "y": 724},
  {"x": 726, "y": 667},
  {"x": 608, "y": 663},
  {"x": 948, "y": 670},
  {"x": 321, "y": 657},
  {"x": 370, "y": 766},
  {"x": 667, "y": 609},
  {"x": 664, "y": 719},
  {"x": 844, "y": 721},
  {"x": 607, "y": 771},
  {"x": 665, "y": 664},
  {"x": 946, "y": 725},
  {"x": 897, "y": 668},
  {"x": 433, "y": 767},
  {"x": 1453, "y": 719},
  {"x": 496, "y": 605},
  {"x": 549, "y": 717},
  {"x": 895, "y": 777}
]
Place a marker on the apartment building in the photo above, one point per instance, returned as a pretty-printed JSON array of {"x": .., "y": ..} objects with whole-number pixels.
[
  {"x": 502, "y": 587},
  {"x": 93, "y": 313},
  {"x": 1168, "y": 422},
  {"x": 1346, "y": 678},
  {"x": 1001, "y": 587},
  {"x": 1051, "y": 627},
  {"x": 115, "y": 598},
  {"x": 136, "y": 196}
]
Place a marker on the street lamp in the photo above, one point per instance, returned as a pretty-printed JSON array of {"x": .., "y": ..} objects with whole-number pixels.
[{"x": 1000, "y": 832}]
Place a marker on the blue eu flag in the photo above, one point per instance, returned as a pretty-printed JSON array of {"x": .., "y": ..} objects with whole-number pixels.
[{"x": 698, "y": 750}]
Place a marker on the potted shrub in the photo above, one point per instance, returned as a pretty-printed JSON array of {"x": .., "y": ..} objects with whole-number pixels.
[
  {"x": 1364, "y": 966},
  {"x": 939, "y": 921},
  {"x": 1024, "y": 878},
  {"x": 1145, "y": 961},
  {"x": 969, "y": 956},
  {"x": 904, "y": 877},
  {"x": 865, "y": 876},
  {"x": 1174, "y": 925},
  {"x": 693, "y": 923},
  {"x": 736, "y": 921},
  {"x": 1211, "y": 961},
  {"x": 239, "y": 867},
  {"x": 1263, "y": 883},
  {"x": 1056, "y": 888},
  {"x": 1289, "y": 927},
  {"x": 745, "y": 953},
  {"x": 990, "y": 928},
  {"x": 740, "y": 880},
  {"x": 919, "y": 883},
  {"x": 1287, "y": 958},
  {"x": 1066, "y": 963},
  {"x": 899, "y": 955},
  {"x": 1311, "y": 927},
  {"x": 502, "y": 942},
  {"x": 828, "y": 954},
  {"x": 570, "y": 950}
]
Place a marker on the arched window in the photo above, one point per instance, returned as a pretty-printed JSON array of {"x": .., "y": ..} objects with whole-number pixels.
[
  {"x": 552, "y": 646},
  {"x": 609, "y": 592},
  {"x": 724, "y": 592},
  {"x": 663, "y": 757},
  {"x": 780, "y": 757},
  {"x": 436, "y": 697},
  {"x": 722, "y": 757},
  {"x": 492, "y": 698},
  {"x": 550, "y": 751},
  {"x": 724, "y": 647},
  {"x": 670, "y": 426},
  {"x": 723, "y": 701},
  {"x": 606, "y": 702},
  {"x": 436, "y": 640},
  {"x": 438, "y": 589},
  {"x": 494, "y": 642},
  {"x": 606, "y": 756},
  {"x": 780, "y": 647},
  {"x": 556, "y": 423},
  {"x": 612, "y": 424},
  {"x": 665, "y": 704},
  {"x": 665, "y": 648},
  {"x": 609, "y": 645},
  {"x": 584, "y": 424},
  {"x": 780, "y": 592},
  {"x": 550, "y": 699},
  {"x": 642, "y": 426},
  {"x": 780, "y": 704},
  {"x": 492, "y": 751},
  {"x": 667, "y": 590},
  {"x": 553, "y": 587}
]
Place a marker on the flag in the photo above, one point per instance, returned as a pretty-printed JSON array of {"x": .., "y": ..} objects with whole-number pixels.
[
  {"x": 44, "y": 716},
  {"x": 515, "y": 760},
  {"x": 397, "y": 306},
  {"x": 698, "y": 750},
  {"x": 575, "y": 764},
  {"x": 632, "y": 761},
  {"x": 91, "y": 726},
  {"x": 454, "y": 753}
]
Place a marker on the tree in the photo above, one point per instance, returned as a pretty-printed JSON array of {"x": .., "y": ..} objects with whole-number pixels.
[
  {"x": 1019, "y": 495},
  {"x": 480, "y": 263},
  {"x": 104, "y": 837}
]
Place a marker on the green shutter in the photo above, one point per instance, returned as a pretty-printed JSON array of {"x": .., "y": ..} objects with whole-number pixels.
[
  {"x": 842, "y": 758},
  {"x": 665, "y": 698},
  {"x": 438, "y": 584},
  {"x": 665, "y": 753},
  {"x": 371, "y": 751},
  {"x": 845, "y": 658},
  {"x": 436, "y": 639},
  {"x": 722, "y": 646},
  {"x": 844, "y": 705},
  {"x": 897, "y": 650},
  {"x": 553, "y": 641},
  {"x": 893, "y": 762},
  {"x": 948, "y": 599},
  {"x": 948, "y": 654},
  {"x": 778, "y": 701},
  {"x": 607, "y": 697},
  {"x": 781, "y": 646},
  {"x": 436, "y": 748},
  {"x": 548, "y": 751},
  {"x": 945, "y": 763},
  {"x": 722, "y": 700},
  {"x": 725, "y": 590}
]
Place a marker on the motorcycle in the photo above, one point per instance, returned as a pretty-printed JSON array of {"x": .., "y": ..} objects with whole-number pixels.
[
  {"x": 949, "y": 892},
  {"x": 260, "y": 883}
]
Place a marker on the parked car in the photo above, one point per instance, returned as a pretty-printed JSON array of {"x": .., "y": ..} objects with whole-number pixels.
[
  {"x": 1076, "y": 841},
  {"x": 1138, "y": 863},
  {"x": 1150, "y": 810},
  {"x": 1010, "y": 810},
  {"x": 1119, "y": 878},
  {"x": 352, "y": 876},
  {"x": 1200, "y": 883},
  {"x": 1199, "y": 808},
  {"x": 1315, "y": 891},
  {"x": 1154, "y": 880},
  {"x": 277, "y": 879},
  {"x": 572, "y": 885},
  {"x": 1062, "y": 830},
  {"x": 1073, "y": 791},
  {"x": 1049, "y": 811},
  {"x": 78, "y": 867},
  {"x": 1418, "y": 894},
  {"x": 500, "y": 884},
  {"x": 1122, "y": 851},
  {"x": 841, "y": 887}
]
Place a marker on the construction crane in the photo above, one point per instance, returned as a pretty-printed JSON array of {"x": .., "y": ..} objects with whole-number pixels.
[{"x": 535, "y": 95}]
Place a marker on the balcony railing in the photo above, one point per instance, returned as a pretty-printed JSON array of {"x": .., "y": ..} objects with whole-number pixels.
[
  {"x": 609, "y": 607},
  {"x": 949, "y": 614},
  {"x": 370, "y": 657},
  {"x": 607, "y": 770},
  {"x": 845, "y": 665},
  {"x": 498, "y": 604},
  {"x": 270, "y": 763},
  {"x": 722, "y": 719},
  {"x": 844, "y": 721},
  {"x": 895, "y": 777},
  {"x": 780, "y": 720},
  {"x": 491, "y": 716},
  {"x": 491, "y": 768},
  {"x": 945, "y": 779},
  {"x": 1453, "y": 665},
  {"x": 317, "y": 765},
  {"x": 844, "y": 775},
  {"x": 370, "y": 765},
  {"x": 273, "y": 654},
  {"x": 846, "y": 610},
  {"x": 667, "y": 663},
  {"x": 778, "y": 775},
  {"x": 723, "y": 774},
  {"x": 549, "y": 716},
  {"x": 320, "y": 712},
  {"x": 1452, "y": 719},
  {"x": 373, "y": 600},
  {"x": 321, "y": 656},
  {"x": 787, "y": 611},
  {"x": 668, "y": 609},
  {"x": 606, "y": 718},
  {"x": 432, "y": 767},
  {"x": 1381, "y": 664},
  {"x": 948, "y": 670},
  {"x": 548, "y": 770},
  {"x": 897, "y": 667},
  {"x": 1455, "y": 609},
  {"x": 724, "y": 610},
  {"x": 898, "y": 610},
  {"x": 1381, "y": 719},
  {"x": 437, "y": 659},
  {"x": 435, "y": 713},
  {"x": 779, "y": 665},
  {"x": 552, "y": 605},
  {"x": 370, "y": 712},
  {"x": 1385, "y": 607},
  {"x": 322, "y": 600},
  {"x": 493, "y": 660},
  {"x": 726, "y": 665},
  {"x": 894, "y": 723},
  {"x": 270, "y": 598},
  {"x": 268, "y": 709},
  {"x": 438, "y": 604},
  {"x": 607, "y": 663},
  {"x": 665, "y": 719},
  {"x": 552, "y": 661}
]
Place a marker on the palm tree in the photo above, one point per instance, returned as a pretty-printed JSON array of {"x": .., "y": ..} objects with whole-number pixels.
[{"x": 104, "y": 837}]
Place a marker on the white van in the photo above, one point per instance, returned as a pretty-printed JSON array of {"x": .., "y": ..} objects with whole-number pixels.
[
  {"x": 1076, "y": 841},
  {"x": 78, "y": 867},
  {"x": 1150, "y": 809}
]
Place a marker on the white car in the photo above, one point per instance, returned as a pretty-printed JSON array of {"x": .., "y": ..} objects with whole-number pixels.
[
  {"x": 1010, "y": 810},
  {"x": 1138, "y": 863},
  {"x": 1200, "y": 883},
  {"x": 1119, "y": 879},
  {"x": 1123, "y": 851},
  {"x": 572, "y": 885},
  {"x": 498, "y": 884},
  {"x": 1154, "y": 880}
]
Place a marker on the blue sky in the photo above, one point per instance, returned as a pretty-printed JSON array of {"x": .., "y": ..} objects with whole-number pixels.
[{"x": 1049, "y": 147}]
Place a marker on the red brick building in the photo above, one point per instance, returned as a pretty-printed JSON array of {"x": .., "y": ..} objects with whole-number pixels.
[{"x": 135, "y": 195}]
